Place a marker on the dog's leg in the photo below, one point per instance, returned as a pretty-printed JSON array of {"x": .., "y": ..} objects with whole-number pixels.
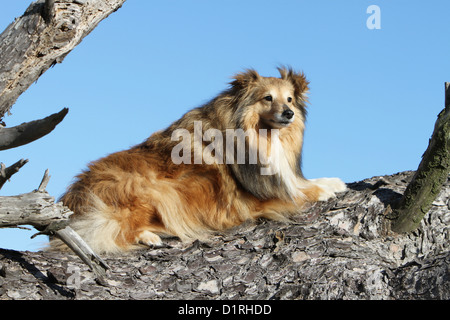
[{"x": 329, "y": 186}]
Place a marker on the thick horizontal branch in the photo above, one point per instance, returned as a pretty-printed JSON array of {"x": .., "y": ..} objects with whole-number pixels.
[
  {"x": 34, "y": 208},
  {"x": 29, "y": 131},
  {"x": 42, "y": 37}
]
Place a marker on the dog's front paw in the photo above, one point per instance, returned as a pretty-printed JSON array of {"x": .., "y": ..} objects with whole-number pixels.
[
  {"x": 330, "y": 187},
  {"x": 149, "y": 238}
]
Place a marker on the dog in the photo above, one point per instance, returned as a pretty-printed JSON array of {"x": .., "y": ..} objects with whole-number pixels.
[{"x": 183, "y": 182}]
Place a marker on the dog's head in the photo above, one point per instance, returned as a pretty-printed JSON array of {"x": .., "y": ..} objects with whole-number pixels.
[{"x": 268, "y": 102}]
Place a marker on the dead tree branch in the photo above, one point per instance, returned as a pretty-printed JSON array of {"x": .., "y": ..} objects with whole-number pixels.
[
  {"x": 38, "y": 209},
  {"x": 29, "y": 131},
  {"x": 87, "y": 255},
  {"x": 44, "y": 182},
  {"x": 42, "y": 37},
  {"x": 6, "y": 173},
  {"x": 34, "y": 208}
]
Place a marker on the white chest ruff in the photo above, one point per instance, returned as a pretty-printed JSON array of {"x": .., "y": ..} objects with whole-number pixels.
[{"x": 277, "y": 164}]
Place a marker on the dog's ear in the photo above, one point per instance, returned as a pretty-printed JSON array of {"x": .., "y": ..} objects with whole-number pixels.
[
  {"x": 245, "y": 79},
  {"x": 298, "y": 79}
]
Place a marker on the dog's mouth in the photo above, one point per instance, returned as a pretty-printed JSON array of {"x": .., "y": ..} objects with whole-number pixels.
[{"x": 278, "y": 122}]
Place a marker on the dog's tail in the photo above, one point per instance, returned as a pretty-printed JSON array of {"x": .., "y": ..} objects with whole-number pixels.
[{"x": 96, "y": 226}]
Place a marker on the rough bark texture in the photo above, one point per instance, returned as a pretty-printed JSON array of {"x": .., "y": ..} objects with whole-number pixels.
[
  {"x": 431, "y": 174},
  {"x": 34, "y": 208},
  {"x": 340, "y": 249},
  {"x": 42, "y": 37}
]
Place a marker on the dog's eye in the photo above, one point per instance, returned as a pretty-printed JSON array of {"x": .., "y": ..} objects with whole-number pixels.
[
  {"x": 268, "y": 98},
  {"x": 289, "y": 99}
]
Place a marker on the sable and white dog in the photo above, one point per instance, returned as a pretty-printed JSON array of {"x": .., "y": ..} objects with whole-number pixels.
[{"x": 238, "y": 157}]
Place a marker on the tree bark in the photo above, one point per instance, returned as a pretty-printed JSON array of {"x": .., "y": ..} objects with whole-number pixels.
[
  {"x": 42, "y": 37},
  {"x": 430, "y": 176},
  {"x": 34, "y": 208},
  {"x": 340, "y": 249}
]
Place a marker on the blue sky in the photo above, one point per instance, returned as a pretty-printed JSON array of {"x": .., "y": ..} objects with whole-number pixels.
[{"x": 374, "y": 95}]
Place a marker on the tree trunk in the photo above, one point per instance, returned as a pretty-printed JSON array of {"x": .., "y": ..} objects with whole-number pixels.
[{"x": 340, "y": 249}]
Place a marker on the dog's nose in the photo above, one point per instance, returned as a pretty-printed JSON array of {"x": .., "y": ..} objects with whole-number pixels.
[{"x": 288, "y": 114}]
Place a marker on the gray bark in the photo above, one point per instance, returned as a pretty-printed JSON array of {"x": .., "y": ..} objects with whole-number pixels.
[
  {"x": 34, "y": 208},
  {"x": 340, "y": 249}
]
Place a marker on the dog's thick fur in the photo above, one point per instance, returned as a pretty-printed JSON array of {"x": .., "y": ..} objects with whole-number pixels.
[{"x": 131, "y": 197}]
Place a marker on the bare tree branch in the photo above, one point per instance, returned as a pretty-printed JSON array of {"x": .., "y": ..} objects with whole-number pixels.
[
  {"x": 87, "y": 255},
  {"x": 6, "y": 173},
  {"x": 34, "y": 208},
  {"x": 44, "y": 182},
  {"x": 42, "y": 37},
  {"x": 29, "y": 131},
  {"x": 38, "y": 209}
]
